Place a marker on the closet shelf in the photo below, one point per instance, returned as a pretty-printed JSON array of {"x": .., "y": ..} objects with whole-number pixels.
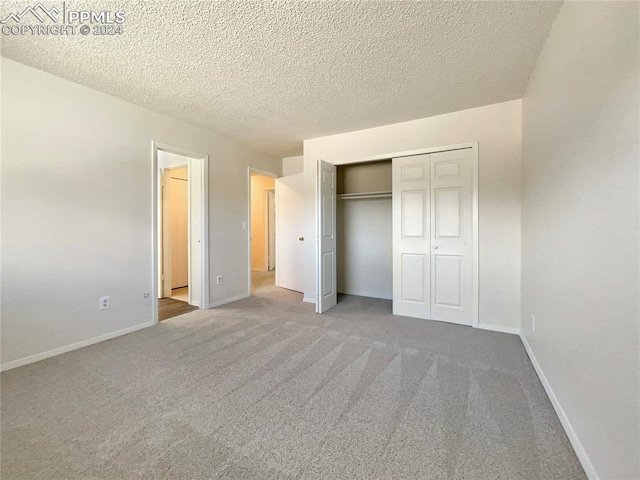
[{"x": 355, "y": 196}]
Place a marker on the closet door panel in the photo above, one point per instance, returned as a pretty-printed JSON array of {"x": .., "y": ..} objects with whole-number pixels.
[
  {"x": 452, "y": 236},
  {"x": 411, "y": 234},
  {"x": 326, "y": 261}
]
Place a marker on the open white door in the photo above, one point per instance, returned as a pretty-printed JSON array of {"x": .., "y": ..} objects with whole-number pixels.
[
  {"x": 327, "y": 287},
  {"x": 289, "y": 232},
  {"x": 452, "y": 236},
  {"x": 411, "y": 261}
]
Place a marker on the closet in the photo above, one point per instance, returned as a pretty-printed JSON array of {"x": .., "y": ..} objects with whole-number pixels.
[
  {"x": 364, "y": 229},
  {"x": 404, "y": 229}
]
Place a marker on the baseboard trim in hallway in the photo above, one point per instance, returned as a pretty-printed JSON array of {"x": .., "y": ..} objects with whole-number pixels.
[
  {"x": 74, "y": 346},
  {"x": 581, "y": 453},
  {"x": 499, "y": 328},
  {"x": 228, "y": 300}
]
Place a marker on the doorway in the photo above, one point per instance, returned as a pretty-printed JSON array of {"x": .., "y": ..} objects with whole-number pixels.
[
  {"x": 180, "y": 232},
  {"x": 262, "y": 231}
]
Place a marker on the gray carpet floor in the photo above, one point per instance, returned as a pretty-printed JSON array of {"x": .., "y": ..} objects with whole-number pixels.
[{"x": 266, "y": 389}]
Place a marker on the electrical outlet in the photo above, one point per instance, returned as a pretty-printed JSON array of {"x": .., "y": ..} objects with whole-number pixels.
[
  {"x": 219, "y": 280},
  {"x": 533, "y": 323},
  {"x": 105, "y": 302},
  {"x": 145, "y": 294}
]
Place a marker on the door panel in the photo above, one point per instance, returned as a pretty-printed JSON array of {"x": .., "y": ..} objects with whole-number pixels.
[
  {"x": 327, "y": 284},
  {"x": 448, "y": 272},
  {"x": 412, "y": 211},
  {"x": 328, "y": 281},
  {"x": 411, "y": 233},
  {"x": 289, "y": 221},
  {"x": 452, "y": 236},
  {"x": 178, "y": 202},
  {"x": 413, "y": 272},
  {"x": 447, "y": 212}
]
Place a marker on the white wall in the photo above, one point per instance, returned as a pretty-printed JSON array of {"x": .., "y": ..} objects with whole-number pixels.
[
  {"x": 77, "y": 210},
  {"x": 580, "y": 229},
  {"x": 292, "y": 165},
  {"x": 365, "y": 247},
  {"x": 497, "y": 128}
]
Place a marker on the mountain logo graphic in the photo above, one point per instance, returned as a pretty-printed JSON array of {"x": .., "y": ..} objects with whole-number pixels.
[{"x": 37, "y": 11}]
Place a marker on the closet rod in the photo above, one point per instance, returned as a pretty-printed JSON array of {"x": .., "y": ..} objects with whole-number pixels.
[{"x": 355, "y": 196}]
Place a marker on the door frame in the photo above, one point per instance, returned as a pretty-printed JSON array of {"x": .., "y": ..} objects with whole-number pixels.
[
  {"x": 474, "y": 146},
  {"x": 269, "y": 203},
  {"x": 156, "y": 198},
  {"x": 264, "y": 173}
]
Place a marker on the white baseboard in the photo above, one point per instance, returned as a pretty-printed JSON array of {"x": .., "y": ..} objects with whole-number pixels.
[
  {"x": 499, "y": 328},
  {"x": 564, "y": 420},
  {"x": 228, "y": 300},
  {"x": 74, "y": 346},
  {"x": 309, "y": 300}
]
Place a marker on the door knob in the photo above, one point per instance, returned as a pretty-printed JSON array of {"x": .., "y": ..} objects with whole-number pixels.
[{"x": 301, "y": 239}]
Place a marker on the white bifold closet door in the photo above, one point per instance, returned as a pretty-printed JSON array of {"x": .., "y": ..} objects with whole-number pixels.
[
  {"x": 326, "y": 202},
  {"x": 411, "y": 261},
  {"x": 433, "y": 236}
]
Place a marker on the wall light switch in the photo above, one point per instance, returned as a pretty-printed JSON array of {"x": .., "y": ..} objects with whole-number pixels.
[{"x": 244, "y": 224}]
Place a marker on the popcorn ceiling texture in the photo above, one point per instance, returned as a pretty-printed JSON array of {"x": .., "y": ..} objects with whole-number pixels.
[{"x": 274, "y": 73}]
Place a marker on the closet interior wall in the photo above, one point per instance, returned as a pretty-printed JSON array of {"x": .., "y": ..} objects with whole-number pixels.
[{"x": 364, "y": 229}]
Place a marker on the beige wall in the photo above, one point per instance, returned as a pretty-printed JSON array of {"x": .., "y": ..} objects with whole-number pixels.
[
  {"x": 77, "y": 211},
  {"x": 292, "y": 165},
  {"x": 580, "y": 229},
  {"x": 497, "y": 129},
  {"x": 259, "y": 184}
]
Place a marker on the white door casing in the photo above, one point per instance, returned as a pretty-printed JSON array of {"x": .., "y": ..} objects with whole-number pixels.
[
  {"x": 327, "y": 287},
  {"x": 452, "y": 236},
  {"x": 289, "y": 232},
  {"x": 196, "y": 199},
  {"x": 411, "y": 233},
  {"x": 165, "y": 157},
  {"x": 271, "y": 229}
]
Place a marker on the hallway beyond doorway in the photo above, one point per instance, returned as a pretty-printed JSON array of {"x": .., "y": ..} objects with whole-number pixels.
[
  {"x": 263, "y": 282},
  {"x": 170, "y": 307}
]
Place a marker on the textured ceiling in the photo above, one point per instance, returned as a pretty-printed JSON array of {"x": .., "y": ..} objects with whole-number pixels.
[{"x": 274, "y": 73}]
